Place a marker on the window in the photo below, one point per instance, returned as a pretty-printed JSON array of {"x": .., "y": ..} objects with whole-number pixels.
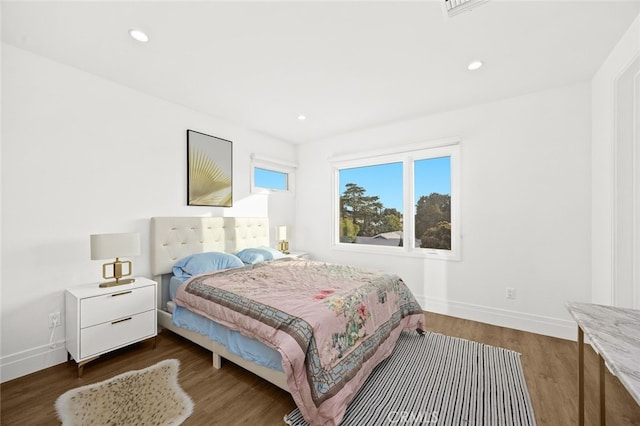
[
  {"x": 270, "y": 179},
  {"x": 366, "y": 218},
  {"x": 432, "y": 200},
  {"x": 271, "y": 175},
  {"x": 402, "y": 202}
]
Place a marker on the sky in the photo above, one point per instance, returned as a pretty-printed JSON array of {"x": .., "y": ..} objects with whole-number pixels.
[
  {"x": 385, "y": 180},
  {"x": 264, "y": 178}
]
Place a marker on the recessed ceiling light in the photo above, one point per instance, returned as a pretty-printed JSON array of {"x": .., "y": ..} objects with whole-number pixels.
[
  {"x": 139, "y": 35},
  {"x": 475, "y": 65},
  {"x": 302, "y": 117}
]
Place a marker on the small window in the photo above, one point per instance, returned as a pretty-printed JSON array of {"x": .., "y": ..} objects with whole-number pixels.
[
  {"x": 271, "y": 179},
  {"x": 271, "y": 175}
]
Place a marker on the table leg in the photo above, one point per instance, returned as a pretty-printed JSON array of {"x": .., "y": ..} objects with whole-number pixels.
[
  {"x": 81, "y": 365},
  {"x": 603, "y": 413},
  {"x": 580, "y": 377}
]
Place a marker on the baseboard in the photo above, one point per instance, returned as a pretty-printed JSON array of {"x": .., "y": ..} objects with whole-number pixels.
[
  {"x": 32, "y": 360},
  {"x": 548, "y": 326}
]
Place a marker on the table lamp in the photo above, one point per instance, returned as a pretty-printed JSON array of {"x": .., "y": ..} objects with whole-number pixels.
[
  {"x": 109, "y": 246},
  {"x": 283, "y": 244}
]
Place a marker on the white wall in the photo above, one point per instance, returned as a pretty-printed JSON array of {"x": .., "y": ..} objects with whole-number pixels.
[
  {"x": 83, "y": 155},
  {"x": 525, "y": 209},
  {"x": 611, "y": 175}
]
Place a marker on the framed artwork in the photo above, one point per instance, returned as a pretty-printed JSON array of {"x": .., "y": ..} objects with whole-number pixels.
[{"x": 209, "y": 170}]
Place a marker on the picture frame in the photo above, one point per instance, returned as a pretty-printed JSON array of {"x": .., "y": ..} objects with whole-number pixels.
[{"x": 209, "y": 170}]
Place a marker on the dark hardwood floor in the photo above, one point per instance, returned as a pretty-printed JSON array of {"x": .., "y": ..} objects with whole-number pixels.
[{"x": 232, "y": 396}]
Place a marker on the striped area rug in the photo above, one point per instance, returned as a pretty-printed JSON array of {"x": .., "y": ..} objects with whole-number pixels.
[{"x": 441, "y": 380}]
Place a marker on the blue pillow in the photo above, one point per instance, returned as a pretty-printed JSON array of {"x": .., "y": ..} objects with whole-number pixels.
[
  {"x": 258, "y": 254},
  {"x": 205, "y": 262}
]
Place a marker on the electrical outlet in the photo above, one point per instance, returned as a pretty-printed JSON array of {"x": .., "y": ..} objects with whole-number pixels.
[
  {"x": 54, "y": 319},
  {"x": 510, "y": 293}
]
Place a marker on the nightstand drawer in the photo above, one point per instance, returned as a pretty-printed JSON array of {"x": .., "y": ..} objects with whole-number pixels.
[
  {"x": 119, "y": 332},
  {"x": 119, "y": 304}
]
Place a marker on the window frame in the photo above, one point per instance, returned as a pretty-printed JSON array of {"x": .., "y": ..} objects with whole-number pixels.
[
  {"x": 273, "y": 165},
  {"x": 434, "y": 149}
]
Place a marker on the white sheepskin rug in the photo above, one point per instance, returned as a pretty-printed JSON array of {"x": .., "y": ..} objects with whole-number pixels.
[{"x": 151, "y": 396}]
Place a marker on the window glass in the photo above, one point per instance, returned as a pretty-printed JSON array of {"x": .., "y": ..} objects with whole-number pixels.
[
  {"x": 432, "y": 189},
  {"x": 371, "y": 199},
  {"x": 270, "y": 179}
]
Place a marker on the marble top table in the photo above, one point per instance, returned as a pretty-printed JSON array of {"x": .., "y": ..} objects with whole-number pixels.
[{"x": 615, "y": 335}]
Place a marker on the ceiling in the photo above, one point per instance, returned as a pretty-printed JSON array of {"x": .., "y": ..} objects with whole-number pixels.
[{"x": 345, "y": 65}]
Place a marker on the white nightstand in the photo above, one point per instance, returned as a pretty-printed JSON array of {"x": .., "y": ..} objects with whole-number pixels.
[
  {"x": 99, "y": 320},
  {"x": 298, "y": 255}
]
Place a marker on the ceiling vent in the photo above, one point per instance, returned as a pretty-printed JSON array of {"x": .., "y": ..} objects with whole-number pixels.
[{"x": 455, "y": 7}]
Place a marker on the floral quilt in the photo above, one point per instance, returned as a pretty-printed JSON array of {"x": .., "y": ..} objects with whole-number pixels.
[{"x": 331, "y": 323}]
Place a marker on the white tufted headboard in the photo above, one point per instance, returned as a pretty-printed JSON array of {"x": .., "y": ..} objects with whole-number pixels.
[{"x": 173, "y": 238}]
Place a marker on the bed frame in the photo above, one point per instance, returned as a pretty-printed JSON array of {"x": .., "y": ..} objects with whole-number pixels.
[{"x": 173, "y": 238}]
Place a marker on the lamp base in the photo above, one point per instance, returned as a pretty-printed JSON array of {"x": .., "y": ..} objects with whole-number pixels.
[
  {"x": 117, "y": 282},
  {"x": 283, "y": 246}
]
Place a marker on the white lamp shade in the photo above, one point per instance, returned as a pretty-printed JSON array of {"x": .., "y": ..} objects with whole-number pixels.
[
  {"x": 109, "y": 246},
  {"x": 282, "y": 233}
]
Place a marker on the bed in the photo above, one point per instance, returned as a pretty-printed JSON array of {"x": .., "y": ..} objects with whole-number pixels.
[{"x": 301, "y": 325}]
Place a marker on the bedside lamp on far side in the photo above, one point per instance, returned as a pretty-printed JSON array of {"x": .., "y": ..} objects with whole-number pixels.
[
  {"x": 283, "y": 244},
  {"x": 109, "y": 246}
]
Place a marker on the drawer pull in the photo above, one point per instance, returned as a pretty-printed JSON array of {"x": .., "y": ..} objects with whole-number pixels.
[
  {"x": 120, "y": 320},
  {"x": 121, "y": 294}
]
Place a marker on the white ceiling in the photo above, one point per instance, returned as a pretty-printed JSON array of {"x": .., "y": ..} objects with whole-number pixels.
[{"x": 345, "y": 65}]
